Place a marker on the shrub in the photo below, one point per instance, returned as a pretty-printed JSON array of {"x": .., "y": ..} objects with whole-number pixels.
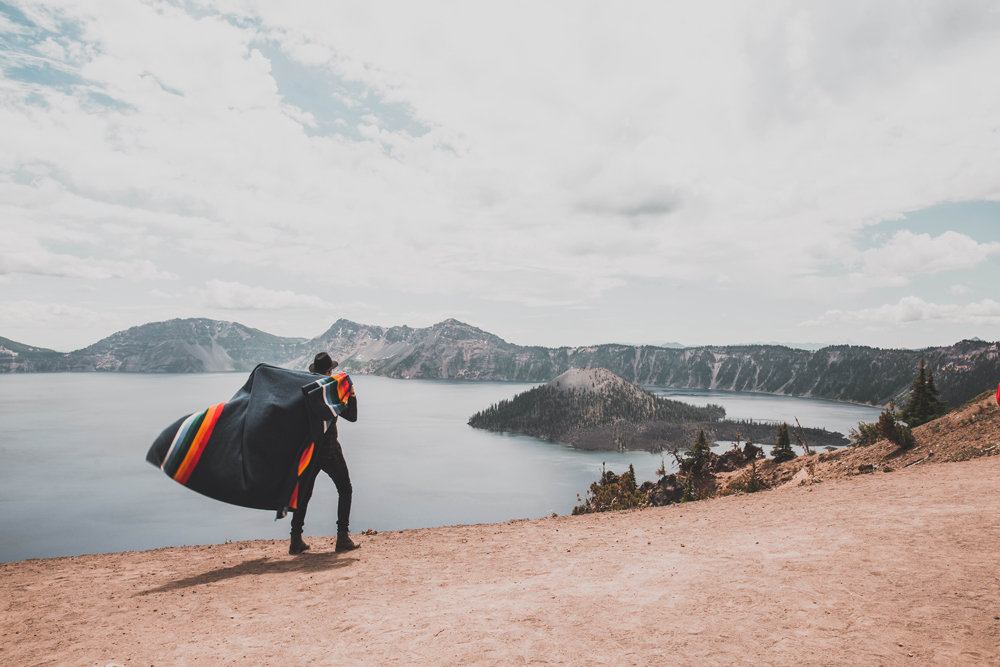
[
  {"x": 612, "y": 492},
  {"x": 749, "y": 481},
  {"x": 782, "y": 450},
  {"x": 893, "y": 430},
  {"x": 864, "y": 435}
]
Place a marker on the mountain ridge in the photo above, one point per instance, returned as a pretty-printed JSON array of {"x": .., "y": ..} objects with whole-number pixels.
[{"x": 455, "y": 350}]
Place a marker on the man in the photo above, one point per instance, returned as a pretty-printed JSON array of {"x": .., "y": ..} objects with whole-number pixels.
[{"x": 330, "y": 459}]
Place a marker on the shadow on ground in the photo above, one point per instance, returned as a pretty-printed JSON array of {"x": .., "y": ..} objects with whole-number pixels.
[{"x": 305, "y": 563}]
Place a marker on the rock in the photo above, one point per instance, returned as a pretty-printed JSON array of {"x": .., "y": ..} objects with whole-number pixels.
[
  {"x": 865, "y": 468},
  {"x": 732, "y": 460},
  {"x": 664, "y": 492},
  {"x": 752, "y": 451}
]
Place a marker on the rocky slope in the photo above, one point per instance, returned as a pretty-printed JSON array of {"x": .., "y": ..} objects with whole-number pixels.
[
  {"x": 970, "y": 432},
  {"x": 452, "y": 349}
]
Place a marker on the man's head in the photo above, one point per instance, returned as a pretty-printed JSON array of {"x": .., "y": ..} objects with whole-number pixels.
[{"x": 322, "y": 364}]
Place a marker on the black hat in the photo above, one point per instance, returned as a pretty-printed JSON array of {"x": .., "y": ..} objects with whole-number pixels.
[{"x": 322, "y": 363}]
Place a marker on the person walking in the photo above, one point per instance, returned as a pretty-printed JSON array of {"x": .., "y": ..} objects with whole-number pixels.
[{"x": 330, "y": 459}]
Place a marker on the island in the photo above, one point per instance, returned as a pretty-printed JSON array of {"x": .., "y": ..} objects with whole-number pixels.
[{"x": 594, "y": 409}]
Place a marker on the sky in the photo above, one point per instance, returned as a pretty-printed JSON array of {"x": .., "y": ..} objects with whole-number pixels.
[{"x": 554, "y": 173}]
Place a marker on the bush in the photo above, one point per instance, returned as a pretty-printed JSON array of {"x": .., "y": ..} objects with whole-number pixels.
[
  {"x": 864, "y": 435},
  {"x": 749, "y": 481},
  {"x": 612, "y": 492},
  {"x": 893, "y": 430},
  {"x": 782, "y": 450}
]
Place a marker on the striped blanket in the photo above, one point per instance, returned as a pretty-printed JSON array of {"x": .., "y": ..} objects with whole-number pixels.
[{"x": 254, "y": 449}]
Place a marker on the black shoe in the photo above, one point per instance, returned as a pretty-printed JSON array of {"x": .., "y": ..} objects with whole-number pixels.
[
  {"x": 296, "y": 545},
  {"x": 344, "y": 543}
]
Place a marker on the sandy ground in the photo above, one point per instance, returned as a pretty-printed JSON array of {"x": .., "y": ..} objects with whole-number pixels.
[{"x": 890, "y": 569}]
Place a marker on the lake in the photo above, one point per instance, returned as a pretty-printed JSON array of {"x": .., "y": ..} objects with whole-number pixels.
[{"x": 74, "y": 480}]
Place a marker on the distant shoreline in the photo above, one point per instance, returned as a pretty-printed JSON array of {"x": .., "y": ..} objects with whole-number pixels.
[{"x": 451, "y": 380}]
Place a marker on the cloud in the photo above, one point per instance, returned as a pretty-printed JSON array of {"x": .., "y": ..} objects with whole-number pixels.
[
  {"x": 28, "y": 256},
  {"x": 237, "y": 296},
  {"x": 33, "y": 314},
  {"x": 907, "y": 254},
  {"x": 959, "y": 290},
  {"x": 912, "y": 309},
  {"x": 658, "y": 138}
]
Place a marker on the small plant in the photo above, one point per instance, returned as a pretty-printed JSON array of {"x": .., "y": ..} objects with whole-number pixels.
[
  {"x": 662, "y": 470},
  {"x": 782, "y": 450},
  {"x": 749, "y": 481},
  {"x": 864, "y": 435},
  {"x": 891, "y": 429},
  {"x": 689, "y": 493},
  {"x": 612, "y": 492}
]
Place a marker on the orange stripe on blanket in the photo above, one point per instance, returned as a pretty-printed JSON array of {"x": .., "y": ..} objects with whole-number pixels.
[
  {"x": 293, "y": 502},
  {"x": 198, "y": 444},
  {"x": 306, "y": 458}
]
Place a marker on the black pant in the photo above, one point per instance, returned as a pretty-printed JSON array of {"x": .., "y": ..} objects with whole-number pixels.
[{"x": 331, "y": 461}]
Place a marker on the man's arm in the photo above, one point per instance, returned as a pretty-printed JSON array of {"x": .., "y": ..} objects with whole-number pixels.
[{"x": 351, "y": 413}]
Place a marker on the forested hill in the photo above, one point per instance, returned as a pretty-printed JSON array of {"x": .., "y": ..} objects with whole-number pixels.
[
  {"x": 452, "y": 349},
  {"x": 595, "y": 409},
  {"x": 585, "y": 399}
]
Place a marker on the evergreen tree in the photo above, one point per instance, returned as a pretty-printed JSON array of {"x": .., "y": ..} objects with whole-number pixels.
[
  {"x": 696, "y": 457},
  {"x": 937, "y": 408},
  {"x": 782, "y": 450},
  {"x": 923, "y": 404}
]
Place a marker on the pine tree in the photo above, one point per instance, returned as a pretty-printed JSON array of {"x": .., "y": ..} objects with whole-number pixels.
[
  {"x": 937, "y": 408},
  {"x": 916, "y": 405},
  {"x": 698, "y": 455},
  {"x": 782, "y": 450},
  {"x": 923, "y": 404}
]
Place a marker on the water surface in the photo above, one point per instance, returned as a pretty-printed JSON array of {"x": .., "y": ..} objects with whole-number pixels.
[{"x": 74, "y": 480}]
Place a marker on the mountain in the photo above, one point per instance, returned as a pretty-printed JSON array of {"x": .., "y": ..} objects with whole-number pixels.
[
  {"x": 666, "y": 343},
  {"x": 812, "y": 347},
  {"x": 174, "y": 346},
  {"x": 453, "y": 349},
  {"x": 17, "y": 357}
]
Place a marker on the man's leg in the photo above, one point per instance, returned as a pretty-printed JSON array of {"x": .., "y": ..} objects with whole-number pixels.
[
  {"x": 336, "y": 467},
  {"x": 296, "y": 545}
]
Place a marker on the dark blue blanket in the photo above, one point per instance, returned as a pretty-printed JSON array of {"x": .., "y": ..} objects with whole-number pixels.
[{"x": 253, "y": 450}]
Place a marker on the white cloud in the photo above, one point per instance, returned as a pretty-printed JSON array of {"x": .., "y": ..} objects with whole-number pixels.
[
  {"x": 959, "y": 290},
  {"x": 33, "y": 314},
  {"x": 237, "y": 296},
  {"x": 914, "y": 309},
  {"x": 907, "y": 254},
  {"x": 560, "y": 160},
  {"x": 28, "y": 256}
]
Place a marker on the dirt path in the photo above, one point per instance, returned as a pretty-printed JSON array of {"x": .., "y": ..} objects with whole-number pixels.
[{"x": 891, "y": 569}]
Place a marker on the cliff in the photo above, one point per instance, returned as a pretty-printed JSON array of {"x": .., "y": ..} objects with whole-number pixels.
[{"x": 452, "y": 349}]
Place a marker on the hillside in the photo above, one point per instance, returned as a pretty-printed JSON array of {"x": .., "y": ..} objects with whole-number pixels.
[
  {"x": 970, "y": 432},
  {"x": 455, "y": 350},
  {"x": 595, "y": 409}
]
